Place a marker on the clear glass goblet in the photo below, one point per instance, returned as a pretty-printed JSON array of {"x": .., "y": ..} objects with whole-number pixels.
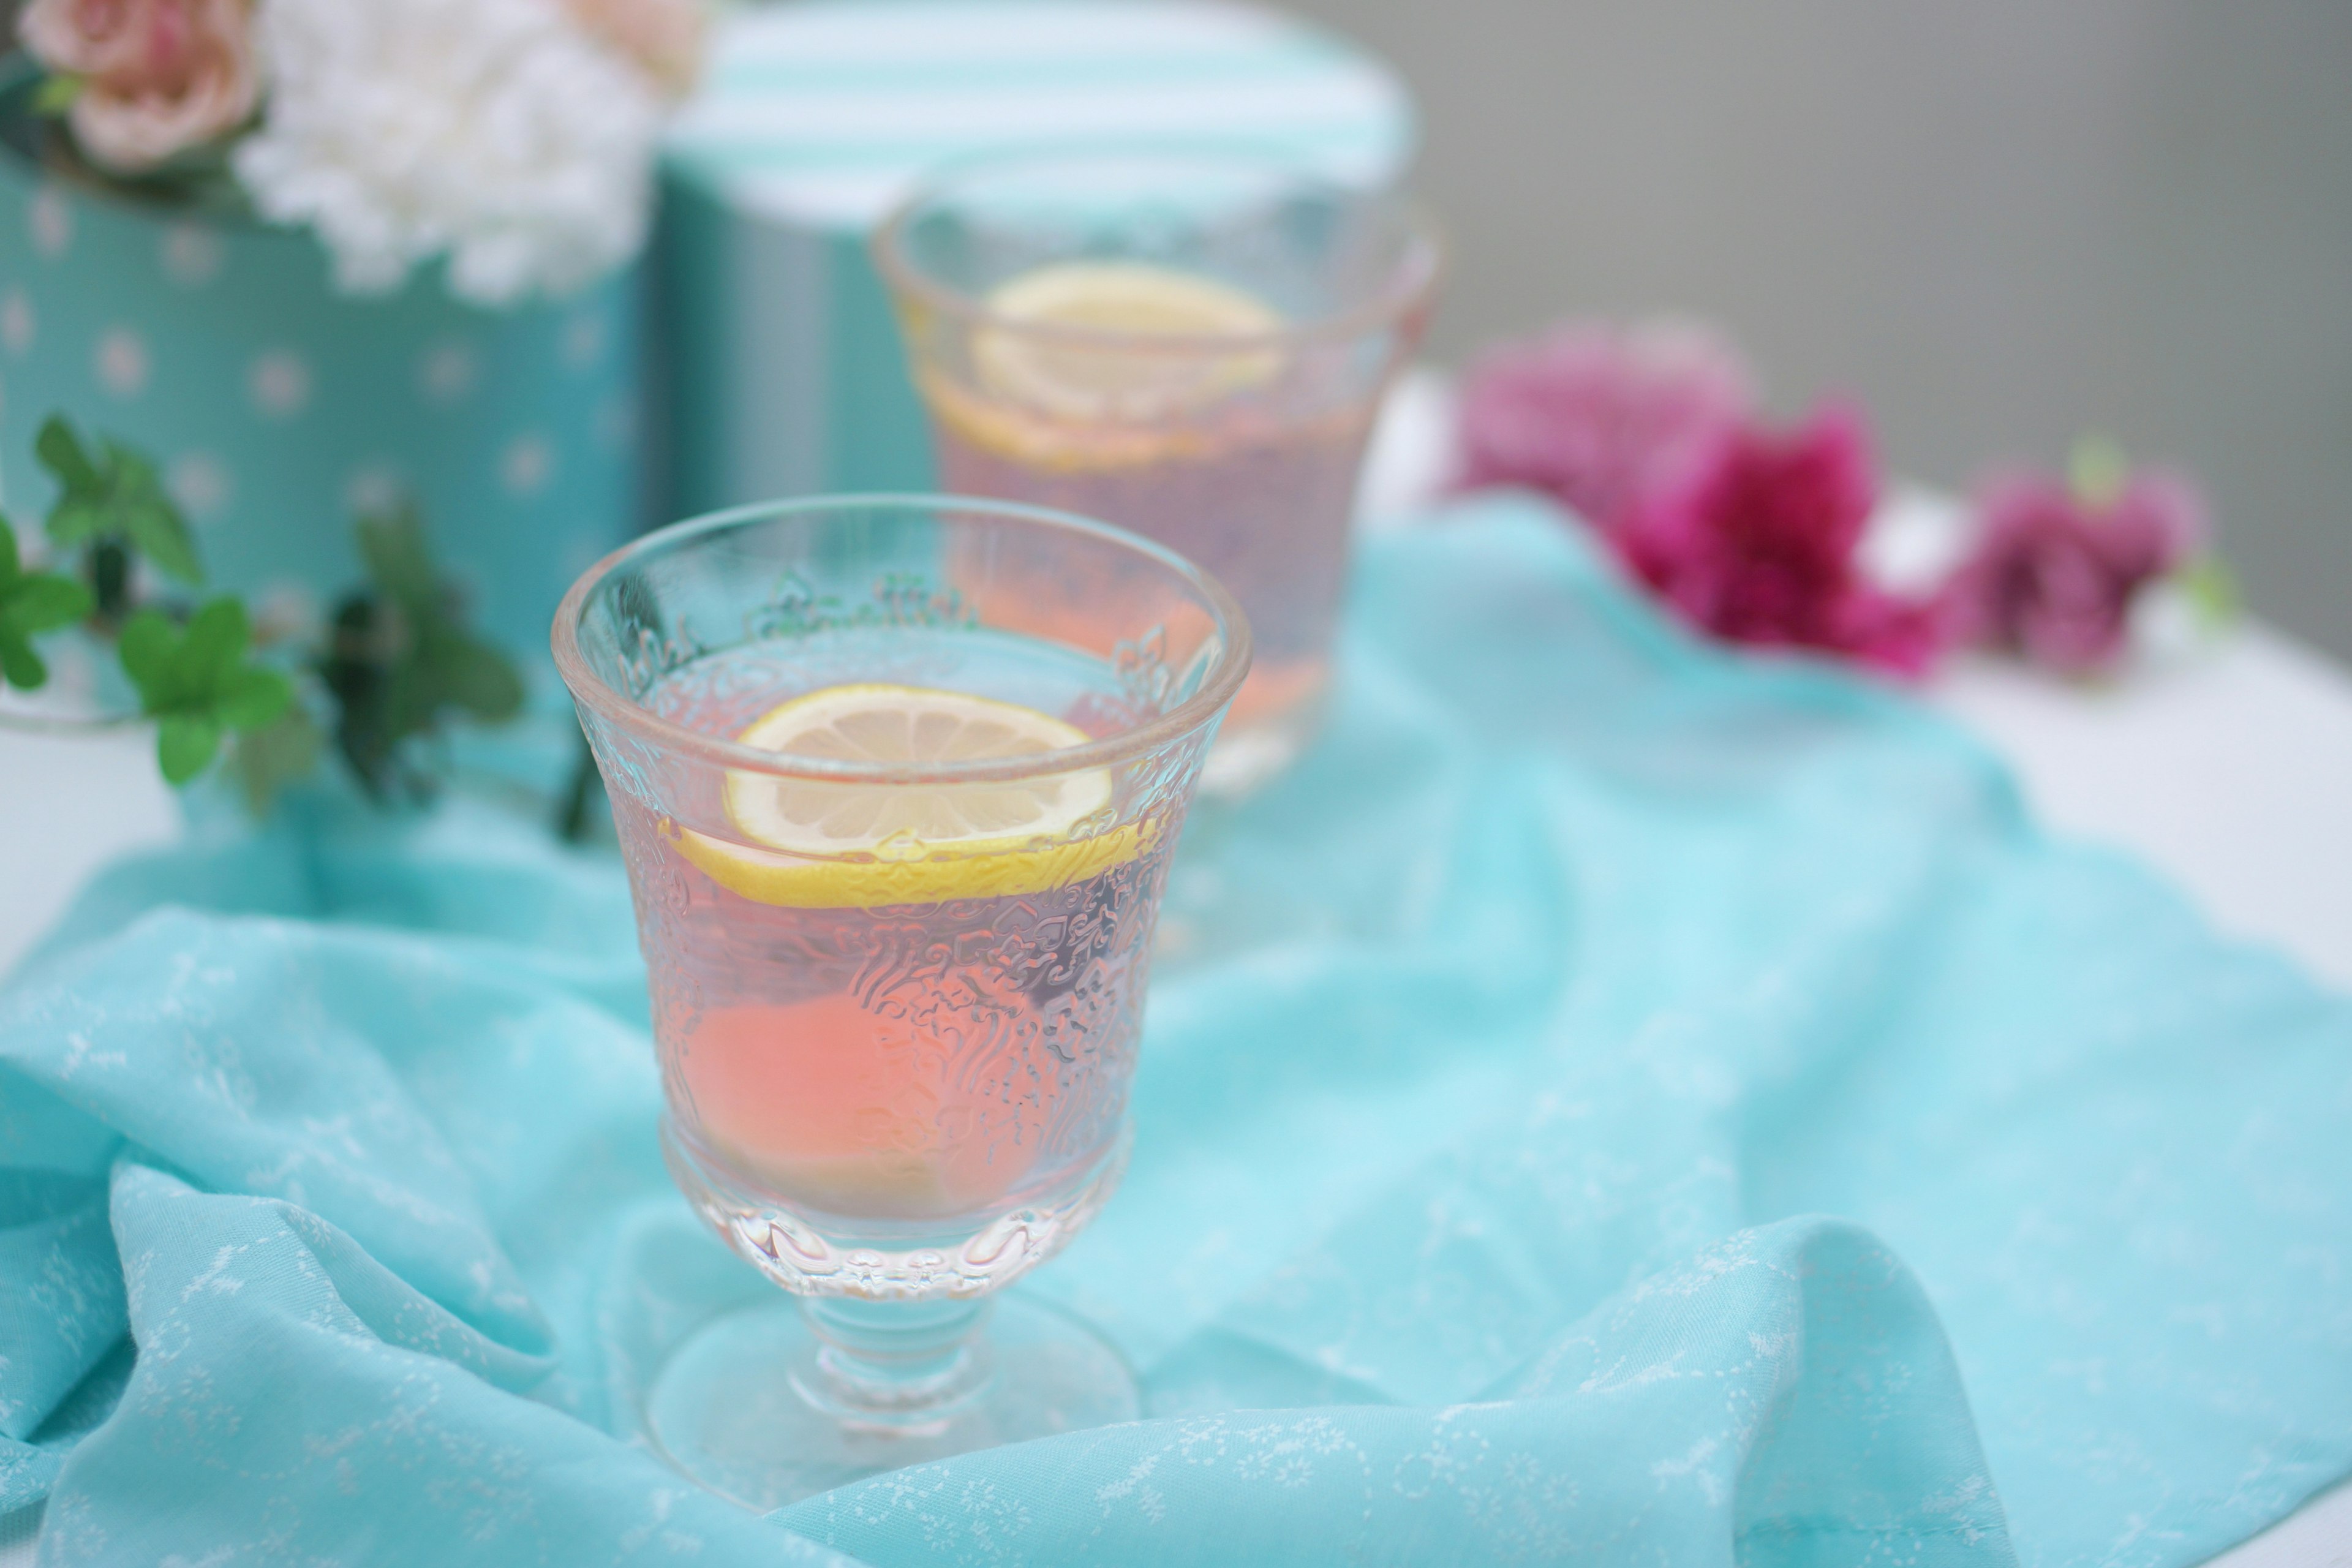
[
  {"x": 897, "y": 780},
  {"x": 1190, "y": 342}
]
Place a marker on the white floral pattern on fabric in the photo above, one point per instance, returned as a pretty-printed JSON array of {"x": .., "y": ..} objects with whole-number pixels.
[
  {"x": 1718, "y": 1405},
  {"x": 1477, "y": 1212},
  {"x": 492, "y": 131}
]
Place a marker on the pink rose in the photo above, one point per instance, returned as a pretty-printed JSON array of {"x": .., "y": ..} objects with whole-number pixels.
[
  {"x": 1757, "y": 546},
  {"x": 662, "y": 37},
  {"x": 159, "y": 76},
  {"x": 1605, "y": 418},
  {"x": 2054, "y": 575}
]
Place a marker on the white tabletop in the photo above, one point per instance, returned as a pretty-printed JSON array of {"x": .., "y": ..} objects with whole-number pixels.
[{"x": 2230, "y": 770}]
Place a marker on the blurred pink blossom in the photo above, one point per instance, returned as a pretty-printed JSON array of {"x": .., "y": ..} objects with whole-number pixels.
[
  {"x": 2053, "y": 574},
  {"x": 1606, "y": 418},
  {"x": 1757, "y": 546},
  {"x": 159, "y": 77},
  {"x": 662, "y": 37}
]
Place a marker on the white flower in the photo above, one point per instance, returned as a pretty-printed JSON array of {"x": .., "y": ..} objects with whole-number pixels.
[{"x": 494, "y": 131}]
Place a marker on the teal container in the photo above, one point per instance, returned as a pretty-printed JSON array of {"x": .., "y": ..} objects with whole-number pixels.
[{"x": 279, "y": 409}]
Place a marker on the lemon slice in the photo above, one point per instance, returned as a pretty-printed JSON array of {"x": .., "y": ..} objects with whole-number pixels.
[
  {"x": 1117, "y": 378},
  {"x": 818, "y": 844}
]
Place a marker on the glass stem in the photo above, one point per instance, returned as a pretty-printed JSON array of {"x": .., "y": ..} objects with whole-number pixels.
[{"x": 895, "y": 1364}]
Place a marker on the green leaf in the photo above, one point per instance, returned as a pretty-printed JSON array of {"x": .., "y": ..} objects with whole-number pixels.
[
  {"x": 39, "y": 601},
  {"x": 31, "y": 602},
  {"x": 254, "y": 699},
  {"x": 132, "y": 474},
  {"x": 265, "y": 760},
  {"x": 56, "y": 95},
  {"x": 61, "y": 452},
  {"x": 215, "y": 645},
  {"x": 155, "y": 526},
  {"x": 477, "y": 678},
  {"x": 20, "y": 667},
  {"x": 409, "y": 701},
  {"x": 184, "y": 746},
  {"x": 76, "y": 521},
  {"x": 149, "y": 647},
  {"x": 394, "y": 548}
]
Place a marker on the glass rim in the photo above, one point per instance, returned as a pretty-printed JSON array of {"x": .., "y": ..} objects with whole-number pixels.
[
  {"x": 1412, "y": 285},
  {"x": 1193, "y": 713}
]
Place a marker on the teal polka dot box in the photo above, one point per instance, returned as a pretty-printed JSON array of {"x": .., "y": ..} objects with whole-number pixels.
[
  {"x": 815, "y": 118},
  {"x": 278, "y": 408}
]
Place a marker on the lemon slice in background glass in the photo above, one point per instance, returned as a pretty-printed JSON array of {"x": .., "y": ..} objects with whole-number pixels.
[
  {"x": 1071, "y": 376},
  {"x": 819, "y": 844}
]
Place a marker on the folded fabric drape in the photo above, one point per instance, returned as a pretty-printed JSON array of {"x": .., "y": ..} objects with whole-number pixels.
[{"x": 1615, "y": 1101}]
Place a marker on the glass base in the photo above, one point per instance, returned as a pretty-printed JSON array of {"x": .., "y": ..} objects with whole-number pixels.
[{"x": 790, "y": 1398}]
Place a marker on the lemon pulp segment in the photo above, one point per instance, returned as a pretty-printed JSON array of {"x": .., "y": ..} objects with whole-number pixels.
[
  {"x": 1118, "y": 378},
  {"x": 826, "y": 844}
]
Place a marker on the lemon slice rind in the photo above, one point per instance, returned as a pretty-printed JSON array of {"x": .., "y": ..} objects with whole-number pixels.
[{"x": 797, "y": 881}]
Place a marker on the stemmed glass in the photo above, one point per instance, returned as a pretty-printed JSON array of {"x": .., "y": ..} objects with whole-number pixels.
[
  {"x": 1189, "y": 343},
  {"x": 897, "y": 780}
]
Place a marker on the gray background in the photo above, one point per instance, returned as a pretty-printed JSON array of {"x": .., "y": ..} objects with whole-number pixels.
[{"x": 1998, "y": 223}]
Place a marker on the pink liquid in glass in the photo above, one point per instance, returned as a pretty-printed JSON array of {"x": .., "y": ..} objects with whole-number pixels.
[
  {"x": 1261, "y": 501},
  {"x": 909, "y": 1067}
]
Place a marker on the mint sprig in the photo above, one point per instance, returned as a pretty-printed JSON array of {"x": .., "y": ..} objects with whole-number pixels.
[
  {"x": 400, "y": 658},
  {"x": 31, "y": 602},
  {"x": 197, "y": 684},
  {"x": 111, "y": 503}
]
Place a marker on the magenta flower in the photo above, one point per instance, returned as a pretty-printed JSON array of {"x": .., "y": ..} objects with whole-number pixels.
[
  {"x": 1757, "y": 546},
  {"x": 1606, "y": 418},
  {"x": 2053, "y": 574}
]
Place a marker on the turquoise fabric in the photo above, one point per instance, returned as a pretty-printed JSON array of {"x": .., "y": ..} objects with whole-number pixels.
[{"x": 1616, "y": 1102}]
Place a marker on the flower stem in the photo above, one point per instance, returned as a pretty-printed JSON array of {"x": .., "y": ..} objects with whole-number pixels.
[
  {"x": 109, "y": 578},
  {"x": 572, "y": 816}
]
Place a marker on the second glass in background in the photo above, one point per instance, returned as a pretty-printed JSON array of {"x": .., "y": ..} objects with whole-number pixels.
[{"x": 1189, "y": 345}]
